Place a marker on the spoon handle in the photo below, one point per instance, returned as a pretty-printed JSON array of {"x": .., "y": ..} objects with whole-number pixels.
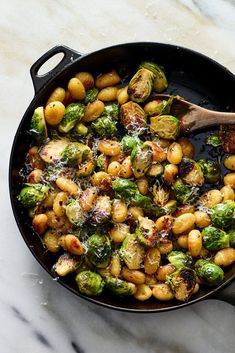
[{"x": 199, "y": 118}]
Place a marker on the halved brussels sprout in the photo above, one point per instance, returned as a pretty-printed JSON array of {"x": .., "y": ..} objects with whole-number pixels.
[
  {"x": 91, "y": 95},
  {"x": 52, "y": 151},
  {"x": 141, "y": 84},
  {"x": 184, "y": 193},
  {"x": 38, "y": 127},
  {"x": 166, "y": 126},
  {"x": 102, "y": 162},
  {"x": 182, "y": 283},
  {"x": 214, "y": 238},
  {"x": 79, "y": 131},
  {"x": 31, "y": 194},
  {"x": 73, "y": 114},
  {"x": 105, "y": 126},
  {"x": 75, "y": 152},
  {"x": 146, "y": 232},
  {"x": 223, "y": 214},
  {"x": 129, "y": 143},
  {"x": 160, "y": 82},
  {"x": 141, "y": 158},
  {"x": 179, "y": 259},
  {"x": 208, "y": 272},
  {"x": 191, "y": 172},
  {"x": 161, "y": 194},
  {"x": 133, "y": 118},
  {"x": 74, "y": 213},
  {"x": 211, "y": 170},
  {"x": 111, "y": 109},
  {"x": 67, "y": 263},
  {"x": 101, "y": 213},
  {"x": 119, "y": 287},
  {"x": 99, "y": 250},
  {"x": 132, "y": 252},
  {"x": 89, "y": 283}
]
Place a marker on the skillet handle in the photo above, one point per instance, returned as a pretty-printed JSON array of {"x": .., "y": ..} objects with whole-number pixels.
[
  {"x": 227, "y": 294},
  {"x": 39, "y": 81}
]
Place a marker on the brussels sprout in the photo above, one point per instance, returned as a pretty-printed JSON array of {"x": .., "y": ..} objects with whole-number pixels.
[
  {"x": 73, "y": 113},
  {"x": 160, "y": 82},
  {"x": 141, "y": 158},
  {"x": 89, "y": 283},
  {"x": 182, "y": 283},
  {"x": 223, "y": 214},
  {"x": 155, "y": 170},
  {"x": 161, "y": 194},
  {"x": 112, "y": 110},
  {"x": 184, "y": 193},
  {"x": 132, "y": 252},
  {"x": 166, "y": 107},
  {"x": 191, "y": 172},
  {"x": 129, "y": 143},
  {"x": 179, "y": 259},
  {"x": 91, "y": 95},
  {"x": 146, "y": 232},
  {"x": 214, "y": 238},
  {"x": 86, "y": 169},
  {"x": 227, "y": 133},
  {"x": 74, "y": 213},
  {"x": 38, "y": 127},
  {"x": 144, "y": 202},
  {"x": 168, "y": 208},
  {"x": 105, "y": 126},
  {"x": 101, "y": 213},
  {"x": 208, "y": 272},
  {"x": 133, "y": 118},
  {"x": 166, "y": 126},
  {"x": 231, "y": 234},
  {"x": 213, "y": 140},
  {"x": 31, "y": 194},
  {"x": 211, "y": 170},
  {"x": 99, "y": 250},
  {"x": 66, "y": 264},
  {"x": 75, "y": 152},
  {"x": 124, "y": 187},
  {"x": 52, "y": 151},
  {"x": 141, "y": 84},
  {"x": 102, "y": 162},
  {"x": 80, "y": 130},
  {"x": 119, "y": 287}
]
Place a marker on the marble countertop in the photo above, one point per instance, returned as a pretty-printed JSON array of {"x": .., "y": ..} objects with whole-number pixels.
[{"x": 38, "y": 315}]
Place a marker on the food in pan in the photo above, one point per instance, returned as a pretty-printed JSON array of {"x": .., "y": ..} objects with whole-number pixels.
[{"x": 117, "y": 194}]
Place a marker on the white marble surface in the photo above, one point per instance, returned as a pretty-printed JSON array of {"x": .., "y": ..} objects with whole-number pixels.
[{"x": 36, "y": 314}]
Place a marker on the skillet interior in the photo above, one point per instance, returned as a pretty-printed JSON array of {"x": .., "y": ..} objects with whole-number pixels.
[{"x": 190, "y": 74}]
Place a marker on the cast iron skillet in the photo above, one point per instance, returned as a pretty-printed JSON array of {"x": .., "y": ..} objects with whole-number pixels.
[{"x": 192, "y": 75}]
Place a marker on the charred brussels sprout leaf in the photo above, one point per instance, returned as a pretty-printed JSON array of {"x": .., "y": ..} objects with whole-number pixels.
[
  {"x": 38, "y": 128},
  {"x": 141, "y": 84},
  {"x": 74, "y": 213},
  {"x": 214, "y": 238},
  {"x": 190, "y": 172},
  {"x": 73, "y": 114},
  {"x": 213, "y": 140},
  {"x": 99, "y": 250},
  {"x": 105, "y": 127},
  {"x": 211, "y": 170},
  {"x": 31, "y": 194},
  {"x": 133, "y": 118},
  {"x": 89, "y": 283},
  {"x": 91, "y": 95},
  {"x": 102, "y": 162},
  {"x": 141, "y": 158},
  {"x": 129, "y": 143},
  {"x": 161, "y": 194},
  {"x": 208, "y": 272},
  {"x": 182, "y": 283},
  {"x": 132, "y": 252},
  {"x": 179, "y": 259},
  {"x": 160, "y": 82},
  {"x": 227, "y": 136},
  {"x": 119, "y": 287},
  {"x": 223, "y": 214},
  {"x": 111, "y": 110},
  {"x": 166, "y": 126},
  {"x": 184, "y": 193},
  {"x": 146, "y": 232}
]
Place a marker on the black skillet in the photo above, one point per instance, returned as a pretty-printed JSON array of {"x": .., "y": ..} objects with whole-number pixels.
[{"x": 194, "y": 76}]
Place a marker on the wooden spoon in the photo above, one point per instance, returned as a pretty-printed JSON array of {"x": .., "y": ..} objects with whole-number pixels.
[{"x": 193, "y": 117}]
